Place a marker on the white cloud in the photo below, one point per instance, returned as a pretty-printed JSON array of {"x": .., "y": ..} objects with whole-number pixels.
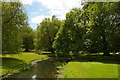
[
  {"x": 39, "y": 19},
  {"x": 27, "y": 1},
  {"x": 34, "y": 12},
  {"x": 60, "y": 7},
  {"x": 40, "y": 10},
  {"x": 56, "y": 7}
]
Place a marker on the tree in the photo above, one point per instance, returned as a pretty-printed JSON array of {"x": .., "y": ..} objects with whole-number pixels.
[
  {"x": 95, "y": 28},
  {"x": 103, "y": 27},
  {"x": 27, "y": 38},
  {"x": 13, "y": 18},
  {"x": 46, "y": 32},
  {"x": 114, "y": 34},
  {"x": 70, "y": 38}
]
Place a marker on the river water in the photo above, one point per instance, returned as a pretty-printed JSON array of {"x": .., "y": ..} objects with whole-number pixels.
[{"x": 41, "y": 70}]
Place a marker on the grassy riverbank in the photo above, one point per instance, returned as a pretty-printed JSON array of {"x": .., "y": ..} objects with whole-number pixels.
[
  {"x": 18, "y": 62},
  {"x": 90, "y": 70},
  {"x": 91, "y": 66}
]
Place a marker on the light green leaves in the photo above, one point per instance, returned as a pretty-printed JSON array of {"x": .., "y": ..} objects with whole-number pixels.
[
  {"x": 13, "y": 18},
  {"x": 46, "y": 33}
]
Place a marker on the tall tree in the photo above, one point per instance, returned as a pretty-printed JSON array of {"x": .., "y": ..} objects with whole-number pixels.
[
  {"x": 102, "y": 26},
  {"x": 27, "y": 38},
  {"x": 70, "y": 37},
  {"x": 13, "y": 18},
  {"x": 46, "y": 32}
]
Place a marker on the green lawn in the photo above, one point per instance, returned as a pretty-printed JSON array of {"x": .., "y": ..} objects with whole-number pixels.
[
  {"x": 89, "y": 70},
  {"x": 18, "y": 62}
]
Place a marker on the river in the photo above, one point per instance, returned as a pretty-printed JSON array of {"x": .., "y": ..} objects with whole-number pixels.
[{"x": 40, "y": 70}]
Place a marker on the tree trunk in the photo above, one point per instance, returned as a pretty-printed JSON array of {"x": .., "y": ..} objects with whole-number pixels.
[
  {"x": 104, "y": 45},
  {"x": 26, "y": 50},
  {"x": 52, "y": 50},
  {"x": 106, "y": 54}
]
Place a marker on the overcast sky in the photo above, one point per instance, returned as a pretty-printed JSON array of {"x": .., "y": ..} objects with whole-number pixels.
[{"x": 37, "y": 10}]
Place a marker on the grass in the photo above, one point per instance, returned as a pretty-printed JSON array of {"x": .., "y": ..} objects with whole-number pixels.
[
  {"x": 10, "y": 65},
  {"x": 91, "y": 66},
  {"x": 25, "y": 57},
  {"x": 18, "y": 62},
  {"x": 39, "y": 51},
  {"x": 82, "y": 67},
  {"x": 90, "y": 70}
]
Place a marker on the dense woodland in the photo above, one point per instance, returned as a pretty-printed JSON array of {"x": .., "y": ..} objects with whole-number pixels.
[{"x": 93, "y": 29}]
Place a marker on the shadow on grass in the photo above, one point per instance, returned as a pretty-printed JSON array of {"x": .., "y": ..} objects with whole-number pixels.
[
  {"x": 88, "y": 58},
  {"x": 115, "y": 59},
  {"x": 11, "y": 64},
  {"x": 99, "y": 58}
]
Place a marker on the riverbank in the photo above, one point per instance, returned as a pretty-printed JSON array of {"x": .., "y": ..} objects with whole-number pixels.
[
  {"x": 90, "y": 70},
  {"x": 18, "y": 62},
  {"x": 91, "y": 67}
]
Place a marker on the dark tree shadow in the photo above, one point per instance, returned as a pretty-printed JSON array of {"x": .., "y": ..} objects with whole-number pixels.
[
  {"x": 99, "y": 58},
  {"x": 115, "y": 59},
  {"x": 13, "y": 64}
]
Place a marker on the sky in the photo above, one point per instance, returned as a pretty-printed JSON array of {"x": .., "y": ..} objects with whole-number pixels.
[{"x": 37, "y": 10}]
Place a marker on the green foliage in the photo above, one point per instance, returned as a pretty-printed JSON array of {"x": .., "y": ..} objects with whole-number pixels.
[
  {"x": 95, "y": 28},
  {"x": 103, "y": 31},
  {"x": 27, "y": 38},
  {"x": 13, "y": 18},
  {"x": 46, "y": 32},
  {"x": 70, "y": 37}
]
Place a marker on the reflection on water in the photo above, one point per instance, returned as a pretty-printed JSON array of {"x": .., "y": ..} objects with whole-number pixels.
[
  {"x": 39, "y": 71},
  {"x": 34, "y": 77}
]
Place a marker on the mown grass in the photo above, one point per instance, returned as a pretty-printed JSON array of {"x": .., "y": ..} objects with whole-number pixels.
[
  {"x": 18, "y": 62},
  {"x": 90, "y": 70},
  {"x": 12, "y": 65}
]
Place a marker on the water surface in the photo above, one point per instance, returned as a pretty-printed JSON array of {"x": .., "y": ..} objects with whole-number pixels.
[{"x": 41, "y": 70}]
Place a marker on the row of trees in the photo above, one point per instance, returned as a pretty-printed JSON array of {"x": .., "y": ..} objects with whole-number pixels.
[{"x": 94, "y": 28}]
